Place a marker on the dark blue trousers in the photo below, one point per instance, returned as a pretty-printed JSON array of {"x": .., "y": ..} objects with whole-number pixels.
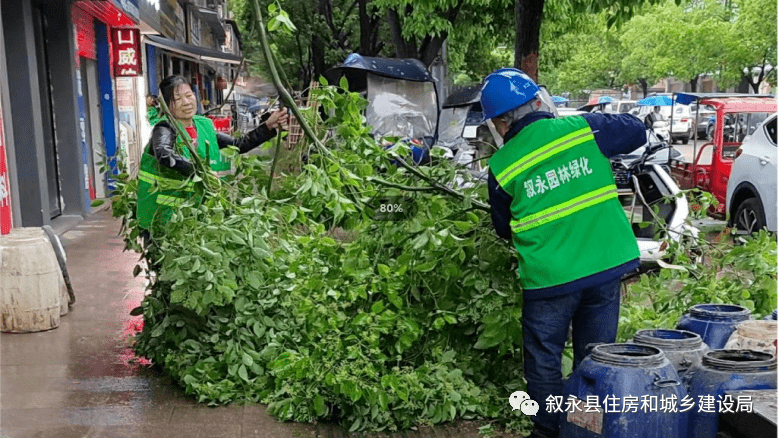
[{"x": 594, "y": 312}]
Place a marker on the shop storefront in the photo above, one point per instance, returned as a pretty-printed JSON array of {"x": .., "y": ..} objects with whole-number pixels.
[{"x": 108, "y": 59}]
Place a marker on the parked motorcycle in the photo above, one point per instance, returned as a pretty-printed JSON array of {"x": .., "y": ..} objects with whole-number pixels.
[{"x": 643, "y": 184}]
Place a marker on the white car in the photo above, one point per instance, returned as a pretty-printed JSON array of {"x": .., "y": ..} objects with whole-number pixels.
[
  {"x": 562, "y": 112},
  {"x": 751, "y": 194},
  {"x": 682, "y": 121},
  {"x": 623, "y": 106}
]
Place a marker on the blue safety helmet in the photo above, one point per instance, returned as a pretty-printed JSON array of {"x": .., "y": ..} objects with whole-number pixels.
[{"x": 506, "y": 89}]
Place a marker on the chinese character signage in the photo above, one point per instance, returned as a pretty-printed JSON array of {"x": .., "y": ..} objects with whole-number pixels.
[{"x": 127, "y": 52}]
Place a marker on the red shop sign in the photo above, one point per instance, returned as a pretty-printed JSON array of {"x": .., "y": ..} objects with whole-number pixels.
[
  {"x": 126, "y": 45},
  {"x": 5, "y": 188}
]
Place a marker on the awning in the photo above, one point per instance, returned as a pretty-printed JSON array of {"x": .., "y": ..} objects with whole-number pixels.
[
  {"x": 198, "y": 53},
  {"x": 108, "y": 13}
]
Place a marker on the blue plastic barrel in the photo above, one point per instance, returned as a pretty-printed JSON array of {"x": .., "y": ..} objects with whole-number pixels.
[
  {"x": 714, "y": 322},
  {"x": 771, "y": 317},
  {"x": 682, "y": 348},
  {"x": 632, "y": 374},
  {"x": 721, "y": 371}
]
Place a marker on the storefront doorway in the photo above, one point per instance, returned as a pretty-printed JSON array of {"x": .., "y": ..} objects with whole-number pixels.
[{"x": 49, "y": 139}]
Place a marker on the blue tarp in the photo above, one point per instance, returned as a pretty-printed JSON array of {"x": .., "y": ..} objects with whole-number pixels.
[
  {"x": 656, "y": 101},
  {"x": 559, "y": 99}
]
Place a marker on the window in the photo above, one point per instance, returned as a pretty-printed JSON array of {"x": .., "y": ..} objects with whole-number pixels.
[
  {"x": 770, "y": 130},
  {"x": 736, "y": 127}
]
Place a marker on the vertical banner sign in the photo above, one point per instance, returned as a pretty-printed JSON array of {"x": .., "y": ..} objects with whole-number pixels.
[
  {"x": 5, "y": 188},
  {"x": 127, "y": 52}
]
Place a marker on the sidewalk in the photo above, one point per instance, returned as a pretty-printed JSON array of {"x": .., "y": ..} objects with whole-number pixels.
[{"x": 81, "y": 379}]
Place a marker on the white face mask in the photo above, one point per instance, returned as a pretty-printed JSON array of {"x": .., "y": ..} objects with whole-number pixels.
[{"x": 183, "y": 104}]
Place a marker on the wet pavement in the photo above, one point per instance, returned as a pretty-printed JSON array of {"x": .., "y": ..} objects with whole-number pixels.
[{"x": 83, "y": 380}]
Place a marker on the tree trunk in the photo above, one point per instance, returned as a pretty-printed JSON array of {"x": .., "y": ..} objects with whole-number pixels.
[
  {"x": 694, "y": 84},
  {"x": 529, "y": 14},
  {"x": 403, "y": 49},
  {"x": 430, "y": 48},
  {"x": 366, "y": 29},
  {"x": 644, "y": 85},
  {"x": 743, "y": 87},
  {"x": 318, "y": 55}
]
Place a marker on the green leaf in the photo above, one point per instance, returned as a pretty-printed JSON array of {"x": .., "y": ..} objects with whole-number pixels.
[
  {"x": 322, "y": 81},
  {"x": 319, "y": 405},
  {"x": 137, "y": 311},
  {"x": 242, "y": 373},
  {"x": 355, "y": 425},
  {"x": 426, "y": 267},
  {"x": 137, "y": 270},
  {"x": 258, "y": 329},
  {"x": 344, "y": 83},
  {"x": 98, "y": 202},
  {"x": 247, "y": 360},
  {"x": 384, "y": 270},
  {"x": 254, "y": 280},
  {"x": 420, "y": 241},
  {"x": 377, "y": 307},
  {"x": 272, "y": 8}
]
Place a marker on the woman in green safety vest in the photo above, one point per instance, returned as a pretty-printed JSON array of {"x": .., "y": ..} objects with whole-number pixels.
[
  {"x": 166, "y": 160},
  {"x": 552, "y": 193}
]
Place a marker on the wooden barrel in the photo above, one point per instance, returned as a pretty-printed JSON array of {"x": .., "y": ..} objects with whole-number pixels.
[{"x": 30, "y": 293}]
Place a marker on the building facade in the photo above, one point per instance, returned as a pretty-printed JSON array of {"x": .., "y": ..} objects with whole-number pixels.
[{"x": 73, "y": 94}]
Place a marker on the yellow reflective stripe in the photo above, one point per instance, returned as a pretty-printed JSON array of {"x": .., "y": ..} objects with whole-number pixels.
[
  {"x": 178, "y": 184},
  {"x": 173, "y": 201},
  {"x": 544, "y": 152},
  {"x": 565, "y": 209}
]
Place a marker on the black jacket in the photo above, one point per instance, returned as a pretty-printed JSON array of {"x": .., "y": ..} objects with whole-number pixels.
[{"x": 163, "y": 140}]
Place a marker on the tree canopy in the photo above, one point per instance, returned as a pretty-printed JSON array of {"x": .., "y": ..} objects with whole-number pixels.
[{"x": 579, "y": 45}]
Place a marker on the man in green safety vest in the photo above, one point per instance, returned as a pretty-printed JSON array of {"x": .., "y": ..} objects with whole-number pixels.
[
  {"x": 166, "y": 161},
  {"x": 553, "y": 195}
]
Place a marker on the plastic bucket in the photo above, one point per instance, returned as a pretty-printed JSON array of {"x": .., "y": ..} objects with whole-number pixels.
[{"x": 714, "y": 322}]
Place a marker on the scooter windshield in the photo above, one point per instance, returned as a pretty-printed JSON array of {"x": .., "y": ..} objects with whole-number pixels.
[
  {"x": 399, "y": 108},
  {"x": 451, "y": 125}
]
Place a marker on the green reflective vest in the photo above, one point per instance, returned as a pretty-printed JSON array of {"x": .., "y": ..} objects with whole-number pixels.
[
  {"x": 172, "y": 188},
  {"x": 567, "y": 222}
]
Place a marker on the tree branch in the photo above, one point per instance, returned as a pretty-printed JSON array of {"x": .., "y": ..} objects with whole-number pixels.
[
  {"x": 439, "y": 187},
  {"x": 402, "y": 187}
]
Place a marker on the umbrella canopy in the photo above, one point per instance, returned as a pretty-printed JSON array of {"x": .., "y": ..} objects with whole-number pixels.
[
  {"x": 600, "y": 100},
  {"x": 656, "y": 101},
  {"x": 559, "y": 99}
]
